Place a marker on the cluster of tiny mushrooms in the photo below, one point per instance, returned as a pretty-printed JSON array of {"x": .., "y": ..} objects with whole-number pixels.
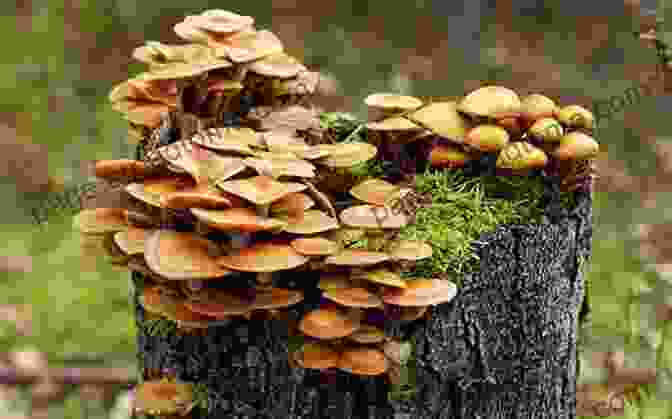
[{"x": 267, "y": 183}]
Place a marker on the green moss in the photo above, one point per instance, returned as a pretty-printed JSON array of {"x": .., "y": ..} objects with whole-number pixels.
[
  {"x": 463, "y": 208},
  {"x": 159, "y": 327},
  {"x": 201, "y": 397}
]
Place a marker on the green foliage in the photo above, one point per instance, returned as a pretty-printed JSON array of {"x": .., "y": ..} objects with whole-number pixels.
[{"x": 159, "y": 327}]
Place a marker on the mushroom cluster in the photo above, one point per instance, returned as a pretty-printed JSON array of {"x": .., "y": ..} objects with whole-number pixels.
[
  {"x": 491, "y": 129},
  {"x": 229, "y": 199}
]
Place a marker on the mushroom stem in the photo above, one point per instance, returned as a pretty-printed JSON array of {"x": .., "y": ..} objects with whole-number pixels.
[
  {"x": 321, "y": 199},
  {"x": 355, "y": 314},
  {"x": 264, "y": 280}
]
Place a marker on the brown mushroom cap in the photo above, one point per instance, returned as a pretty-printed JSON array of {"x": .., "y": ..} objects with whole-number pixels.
[
  {"x": 201, "y": 196},
  {"x": 276, "y": 167},
  {"x": 353, "y": 297},
  {"x": 132, "y": 240},
  {"x": 392, "y": 101},
  {"x": 311, "y": 222},
  {"x": 276, "y": 298},
  {"x": 547, "y": 130},
  {"x": 410, "y": 250},
  {"x": 162, "y": 397},
  {"x": 491, "y": 101},
  {"x": 421, "y": 292},
  {"x": 220, "y": 304},
  {"x": 249, "y": 46},
  {"x": 121, "y": 168},
  {"x": 181, "y": 256},
  {"x": 395, "y": 123},
  {"x": 184, "y": 317},
  {"x": 363, "y": 361},
  {"x": 448, "y": 155},
  {"x": 443, "y": 119},
  {"x": 316, "y": 355},
  {"x": 263, "y": 257},
  {"x": 576, "y": 146},
  {"x": 575, "y": 116},
  {"x": 332, "y": 281},
  {"x": 352, "y": 257},
  {"x": 243, "y": 220},
  {"x": 368, "y": 334},
  {"x": 373, "y": 217},
  {"x": 292, "y": 203},
  {"x": 261, "y": 190},
  {"x": 204, "y": 165},
  {"x": 521, "y": 155},
  {"x": 344, "y": 155},
  {"x": 278, "y": 65},
  {"x": 327, "y": 323},
  {"x": 536, "y": 106},
  {"x": 157, "y": 300},
  {"x": 385, "y": 277},
  {"x": 487, "y": 138},
  {"x": 151, "y": 190},
  {"x": 315, "y": 246},
  {"x": 376, "y": 192},
  {"x": 100, "y": 220}
]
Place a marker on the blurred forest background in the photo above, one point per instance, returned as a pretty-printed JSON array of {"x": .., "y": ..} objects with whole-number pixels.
[{"x": 60, "y": 59}]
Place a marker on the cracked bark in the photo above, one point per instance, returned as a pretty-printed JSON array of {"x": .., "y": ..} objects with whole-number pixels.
[{"x": 505, "y": 347}]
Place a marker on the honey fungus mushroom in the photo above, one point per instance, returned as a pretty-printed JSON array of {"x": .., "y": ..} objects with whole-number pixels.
[
  {"x": 421, "y": 292},
  {"x": 382, "y": 105},
  {"x": 491, "y": 102},
  {"x": 327, "y": 323},
  {"x": 520, "y": 158},
  {"x": 375, "y": 220},
  {"x": 363, "y": 361},
  {"x": 316, "y": 355},
  {"x": 443, "y": 119},
  {"x": 164, "y": 397},
  {"x": 261, "y": 191}
]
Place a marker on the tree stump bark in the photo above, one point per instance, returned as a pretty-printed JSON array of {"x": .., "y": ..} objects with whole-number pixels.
[{"x": 505, "y": 347}]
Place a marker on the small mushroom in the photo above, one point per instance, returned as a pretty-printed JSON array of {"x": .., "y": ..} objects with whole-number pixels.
[
  {"x": 278, "y": 167},
  {"x": 373, "y": 217},
  {"x": 546, "y": 130},
  {"x": 205, "y": 166},
  {"x": 576, "y": 117},
  {"x": 367, "y": 334},
  {"x": 376, "y": 192},
  {"x": 261, "y": 190},
  {"x": 487, "y": 138},
  {"x": 292, "y": 203},
  {"x": 220, "y": 304},
  {"x": 492, "y": 102},
  {"x": 181, "y": 256},
  {"x": 345, "y": 155},
  {"x": 122, "y": 168},
  {"x": 448, "y": 156},
  {"x": 576, "y": 146},
  {"x": 202, "y": 196},
  {"x": 249, "y": 46},
  {"x": 382, "y": 105},
  {"x": 311, "y": 222},
  {"x": 421, "y": 292},
  {"x": 363, "y": 361},
  {"x": 315, "y": 246},
  {"x": 263, "y": 258},
  {"x": 352, "y": 257},
  {"x": 158, "y": 299},
  {"x": 279, "y": 65},
  {"x": 164, "y": 397},
  {"x": 230, "y": 139},
  {"x": 353, "y": 297},
  {"x": 100, "y": 220},
  {"x": 333, "y": 281},
  {"x": 384, "y": 277},
  {"x": 327, "y": 323},
  {"x": 535, "y": 106},
  {"x": 410, "y": 250},
  {"x": 276, "y": 298},
  {"x": 151, "y": 190},
  {"x": 443, "y": 119},
  {"x": 316, "y": 355},
  {"x": 237, "y": 220},
  {"x": 395, "y": 123},
  {"x": 520, "y": 157},
  {"x": 187, "y": 319}
]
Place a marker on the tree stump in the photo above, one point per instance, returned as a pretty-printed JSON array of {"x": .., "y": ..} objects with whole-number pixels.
[{"x": 505, "y": 347}]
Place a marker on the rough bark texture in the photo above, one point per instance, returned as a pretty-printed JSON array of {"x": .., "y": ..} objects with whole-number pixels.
[{"x": 505, "y": 347}]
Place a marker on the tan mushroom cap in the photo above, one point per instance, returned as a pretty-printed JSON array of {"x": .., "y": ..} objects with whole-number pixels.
[
  {"x": 148, "y": 114},
  {"x": 353, "y": 297},
  {"x": 376, "y": 192},
  {"x": 315, "y": 246},
  {"x": 100, "y": 220},
  {"x": 443, "y": 119},
  {"x": 385, "y": 277},
  {"x": 411, "y": 250},
  {"x": 576, "y": 116},
  {"x": 487, "y": 138},
  {"x": 332, "y": 281},
  {"x": 181, "y": 70},
  {"x": 576, "y": 146},
  {"x": 421, "y": 292},
  {"x": 162, "y": 397},
  {"x": 395, "y": 123},
  {"x": 491, "y": 101},
  {"x": 281, "y": 167},
  {"x": 151, "y": 190},
  {"x": 250, "y": 46},
  {"x": 448, "y": 155},
  {"x": 283, "y": 141},
  {"x": 231, "y": 139},
  {"x": 220, "y": 304},
  {"x": 277, "y": 298},
  {"x": 204, "y": 165},
  {"x": 345, "y": 235},
  {"x": 237, "y": 220},
  {"x": 121, "y": 168},
  {"x": 311, "y": 222},
  {"x": 156, "y": 300},
  {"x": 261, "y": 190},
  {"x": 347, "y": 154},
  {"x": 201, "y": 196},
  {"x": 220, "y": 21},
  {"x": 263, "y": 257},
  {"x": 392, "y": 101},
  {"x": 187, "y": 318},
  {"x": 547, "y": 130},
  {"x": 363, "y": 361},
  {"x": 132, "y": 240},
  {"x": 367, "y": 334},
  {"x": 373, "y": 217},
  {"x": 291, "y": 203},
  {"x": 316, "y": 355},
  {"x": 327, "y": 323},
  {"x": 353, "y": 257},
  {"x": 181, "y": 256},
  {"x": 521, "y": 155},
  {"x": 279, "y": 65},
  {"x": 536, "y": 106}
]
